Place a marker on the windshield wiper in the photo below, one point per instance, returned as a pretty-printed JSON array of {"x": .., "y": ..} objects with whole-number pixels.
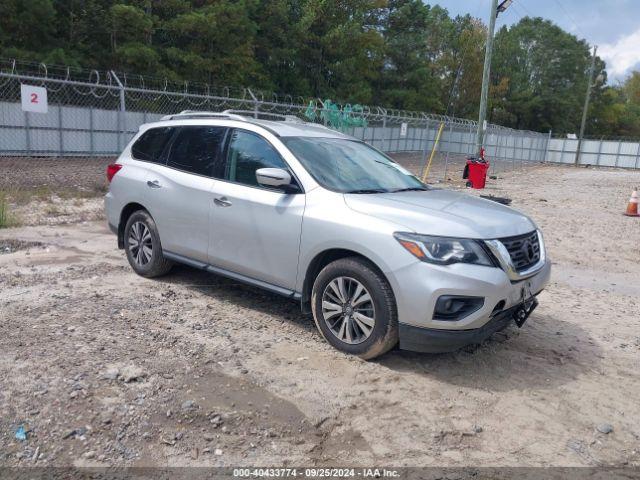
[
  {"x": 368, "y": 190},
  {"x": 409, "y": 189}
]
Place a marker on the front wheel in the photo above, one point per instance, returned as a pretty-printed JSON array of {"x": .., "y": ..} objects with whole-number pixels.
[
  {"x": 354, "y": 308},
  {"x": 142, "y": 244}
]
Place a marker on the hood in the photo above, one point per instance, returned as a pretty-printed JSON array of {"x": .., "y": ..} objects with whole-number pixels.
[{"x": 444, "y": 213}]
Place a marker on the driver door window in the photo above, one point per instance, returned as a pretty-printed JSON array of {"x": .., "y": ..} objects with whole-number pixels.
[{"x": 247, "y": 153}]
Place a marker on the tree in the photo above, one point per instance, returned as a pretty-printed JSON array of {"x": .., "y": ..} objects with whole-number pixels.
[
  {"x": 632, "y": 88},
  {"x": 465, "y": 59},
  {"x": 547, "y": 71},
  {"x": 342, "y": 52},
  {"x": 214, "y": 43},
  {"x": 402, "y": 54},
  {"x": 617, "y": 111},
  {"x": 413, "y": 34},
  {"x": 26, "y": 26},
  {"x": 277, "y": 41}
]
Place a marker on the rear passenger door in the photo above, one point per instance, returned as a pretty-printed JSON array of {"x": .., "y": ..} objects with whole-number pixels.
[
  {"x": 255, "y": 231},
  {"x": 179, "y": 189},
  {"x": 145, "y": 151}
]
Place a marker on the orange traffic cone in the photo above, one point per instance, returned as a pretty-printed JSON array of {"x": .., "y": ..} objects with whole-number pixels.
[{"x": 632, "y": 207}]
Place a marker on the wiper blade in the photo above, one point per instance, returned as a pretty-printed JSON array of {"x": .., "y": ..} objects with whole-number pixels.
[
  {"x": 410, "y": 189},
  {"x": 369, "y": 190}
]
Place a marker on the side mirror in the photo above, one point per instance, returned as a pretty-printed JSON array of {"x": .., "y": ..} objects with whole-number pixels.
[{"x": 276, "y": 178}]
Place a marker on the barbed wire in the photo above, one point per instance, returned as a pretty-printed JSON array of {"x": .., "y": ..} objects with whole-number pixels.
[
  {"x": 596, "y": 138},
  {"x": 149, "y": 89}
]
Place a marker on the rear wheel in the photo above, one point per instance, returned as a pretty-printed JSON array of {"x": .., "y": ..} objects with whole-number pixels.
[
  {"x": 142, "y": 245},
  {"x": 354, "y": 308}
]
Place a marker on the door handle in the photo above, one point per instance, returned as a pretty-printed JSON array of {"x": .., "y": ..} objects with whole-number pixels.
[
  {"x": 222, "y": 202},
  {"x": 153, "y": 184}
]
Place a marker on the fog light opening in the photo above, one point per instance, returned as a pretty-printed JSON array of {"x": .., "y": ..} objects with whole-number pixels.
[
  {"x": 499, "y": 307},
  {"x": 455, "y": 307}
]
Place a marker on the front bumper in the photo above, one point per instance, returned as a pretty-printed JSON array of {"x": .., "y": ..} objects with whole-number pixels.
[
  {"x": 432, "y": 340},
  {"x": 418, "y": 286}
]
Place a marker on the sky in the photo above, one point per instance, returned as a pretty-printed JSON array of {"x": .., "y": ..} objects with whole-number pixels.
[{"x": 612, "y": 25}]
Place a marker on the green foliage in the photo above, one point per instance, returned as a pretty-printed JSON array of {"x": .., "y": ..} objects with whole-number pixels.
[
  {"x": 129, "y": 24},
  {"x": 3, "y": 211},
  {"x": 6, "y": 219},
  {"x": 617, "y": 111},
  {"x": 415, "y": 35},
  {"x": 403, "y": 54},
  {"x": 136, "y": 57},
  {"x": 547, "y": 70},
  {"x": 27, "y": 24}
]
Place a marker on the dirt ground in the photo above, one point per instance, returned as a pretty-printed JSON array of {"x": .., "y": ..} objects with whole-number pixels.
[
  {"x": 102, "y": 367},
  {"x": 53, "y": 190},
  {"x": 83, "y": 174}
]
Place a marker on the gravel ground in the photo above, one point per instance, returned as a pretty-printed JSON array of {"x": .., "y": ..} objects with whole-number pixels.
[
  {"x": 52, "y": 190},
  {"x": 104, "y": 368},
  {"x": 83, "y": 174}
]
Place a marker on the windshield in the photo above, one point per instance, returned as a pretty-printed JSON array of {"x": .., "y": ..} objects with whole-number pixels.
[{"x": 349, "y": 166}]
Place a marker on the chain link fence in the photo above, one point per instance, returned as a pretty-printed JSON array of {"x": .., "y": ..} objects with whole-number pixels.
[{"x": 92, "y": 115}]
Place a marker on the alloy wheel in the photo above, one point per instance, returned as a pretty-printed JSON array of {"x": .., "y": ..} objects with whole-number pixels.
[
  {"x": 140, "y": 243},
  {"x": 348, "y": 310}
]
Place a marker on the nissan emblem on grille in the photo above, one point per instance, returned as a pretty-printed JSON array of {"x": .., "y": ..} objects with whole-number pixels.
[{"x": 524, "y": 250}]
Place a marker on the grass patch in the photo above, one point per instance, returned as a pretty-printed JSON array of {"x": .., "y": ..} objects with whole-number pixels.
[
  {"x": 7, "y": 219},
  {"x": 53, "y": 211},
  {"x": 46, "y": 199},
  {"x": 24, "y": 195}
]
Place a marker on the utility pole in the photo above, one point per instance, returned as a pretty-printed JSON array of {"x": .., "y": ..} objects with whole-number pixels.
[
  {"x": 586, "y": 104},
  {"x": 484, "y": 95}
]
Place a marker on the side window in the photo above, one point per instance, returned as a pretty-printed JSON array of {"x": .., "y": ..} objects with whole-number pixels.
[
  {"x": 151, "y": 143},
  {"x": 247, "y": 153},
  {"x": 198, "y": 150}
]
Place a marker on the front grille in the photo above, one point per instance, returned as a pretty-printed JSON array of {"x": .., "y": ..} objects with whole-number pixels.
[{"x": 523, "y": 249}]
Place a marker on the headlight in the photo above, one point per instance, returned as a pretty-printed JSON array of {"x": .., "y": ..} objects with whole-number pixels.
[{"x": 444, "y": 250}]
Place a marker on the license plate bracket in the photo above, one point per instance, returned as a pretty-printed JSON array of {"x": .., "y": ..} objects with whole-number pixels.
[
  {"x": 527, "y": 306},
  {"x": 522, "y": 313}
]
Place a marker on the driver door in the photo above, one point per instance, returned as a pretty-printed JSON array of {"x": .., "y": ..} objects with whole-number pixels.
[{"x": 255, "y": 230}]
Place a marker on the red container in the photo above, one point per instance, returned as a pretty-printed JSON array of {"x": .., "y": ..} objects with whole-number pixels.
[{"x": 477, "y": 173}]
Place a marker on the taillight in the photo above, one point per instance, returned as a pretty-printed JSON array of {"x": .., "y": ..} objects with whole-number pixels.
[{"x": 112, "y": 170}]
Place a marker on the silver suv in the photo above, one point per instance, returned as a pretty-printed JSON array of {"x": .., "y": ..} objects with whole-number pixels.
[{"x": 377, "y": 256}]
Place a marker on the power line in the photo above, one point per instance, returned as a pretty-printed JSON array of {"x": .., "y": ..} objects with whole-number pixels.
[
  {"x": 520, "y": 13},
  {"x": 504, "y": 17},
  {"x": 456, "y": 79},
  {"x": 571, "y": 19},
  {"x": 524, "y": 7},
  {"x": 521, "y": 7}
]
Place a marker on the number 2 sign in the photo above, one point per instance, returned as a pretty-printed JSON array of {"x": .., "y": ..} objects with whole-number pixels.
[{"x": 34, "y": 99}]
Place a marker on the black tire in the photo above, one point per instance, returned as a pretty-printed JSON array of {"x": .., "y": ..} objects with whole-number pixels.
[
  {"x": 156, "y": 265},
  {"x": 384, "y": 335}
]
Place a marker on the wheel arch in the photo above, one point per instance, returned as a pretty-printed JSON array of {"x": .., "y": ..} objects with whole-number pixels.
[
  {"x": 126, "y": 212},
  {"x": 320, "y": 261}
]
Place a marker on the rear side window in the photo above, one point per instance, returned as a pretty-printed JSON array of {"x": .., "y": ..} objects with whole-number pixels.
[
  {"x": 151, "y": 143},
  {"x": 247, "y": 153},
  {"x": 198, "y": 150}
]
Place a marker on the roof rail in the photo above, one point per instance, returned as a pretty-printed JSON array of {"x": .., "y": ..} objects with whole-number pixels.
[
  {"x": 185, "y": 114},
  {"x": 247, "y": 114}
]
